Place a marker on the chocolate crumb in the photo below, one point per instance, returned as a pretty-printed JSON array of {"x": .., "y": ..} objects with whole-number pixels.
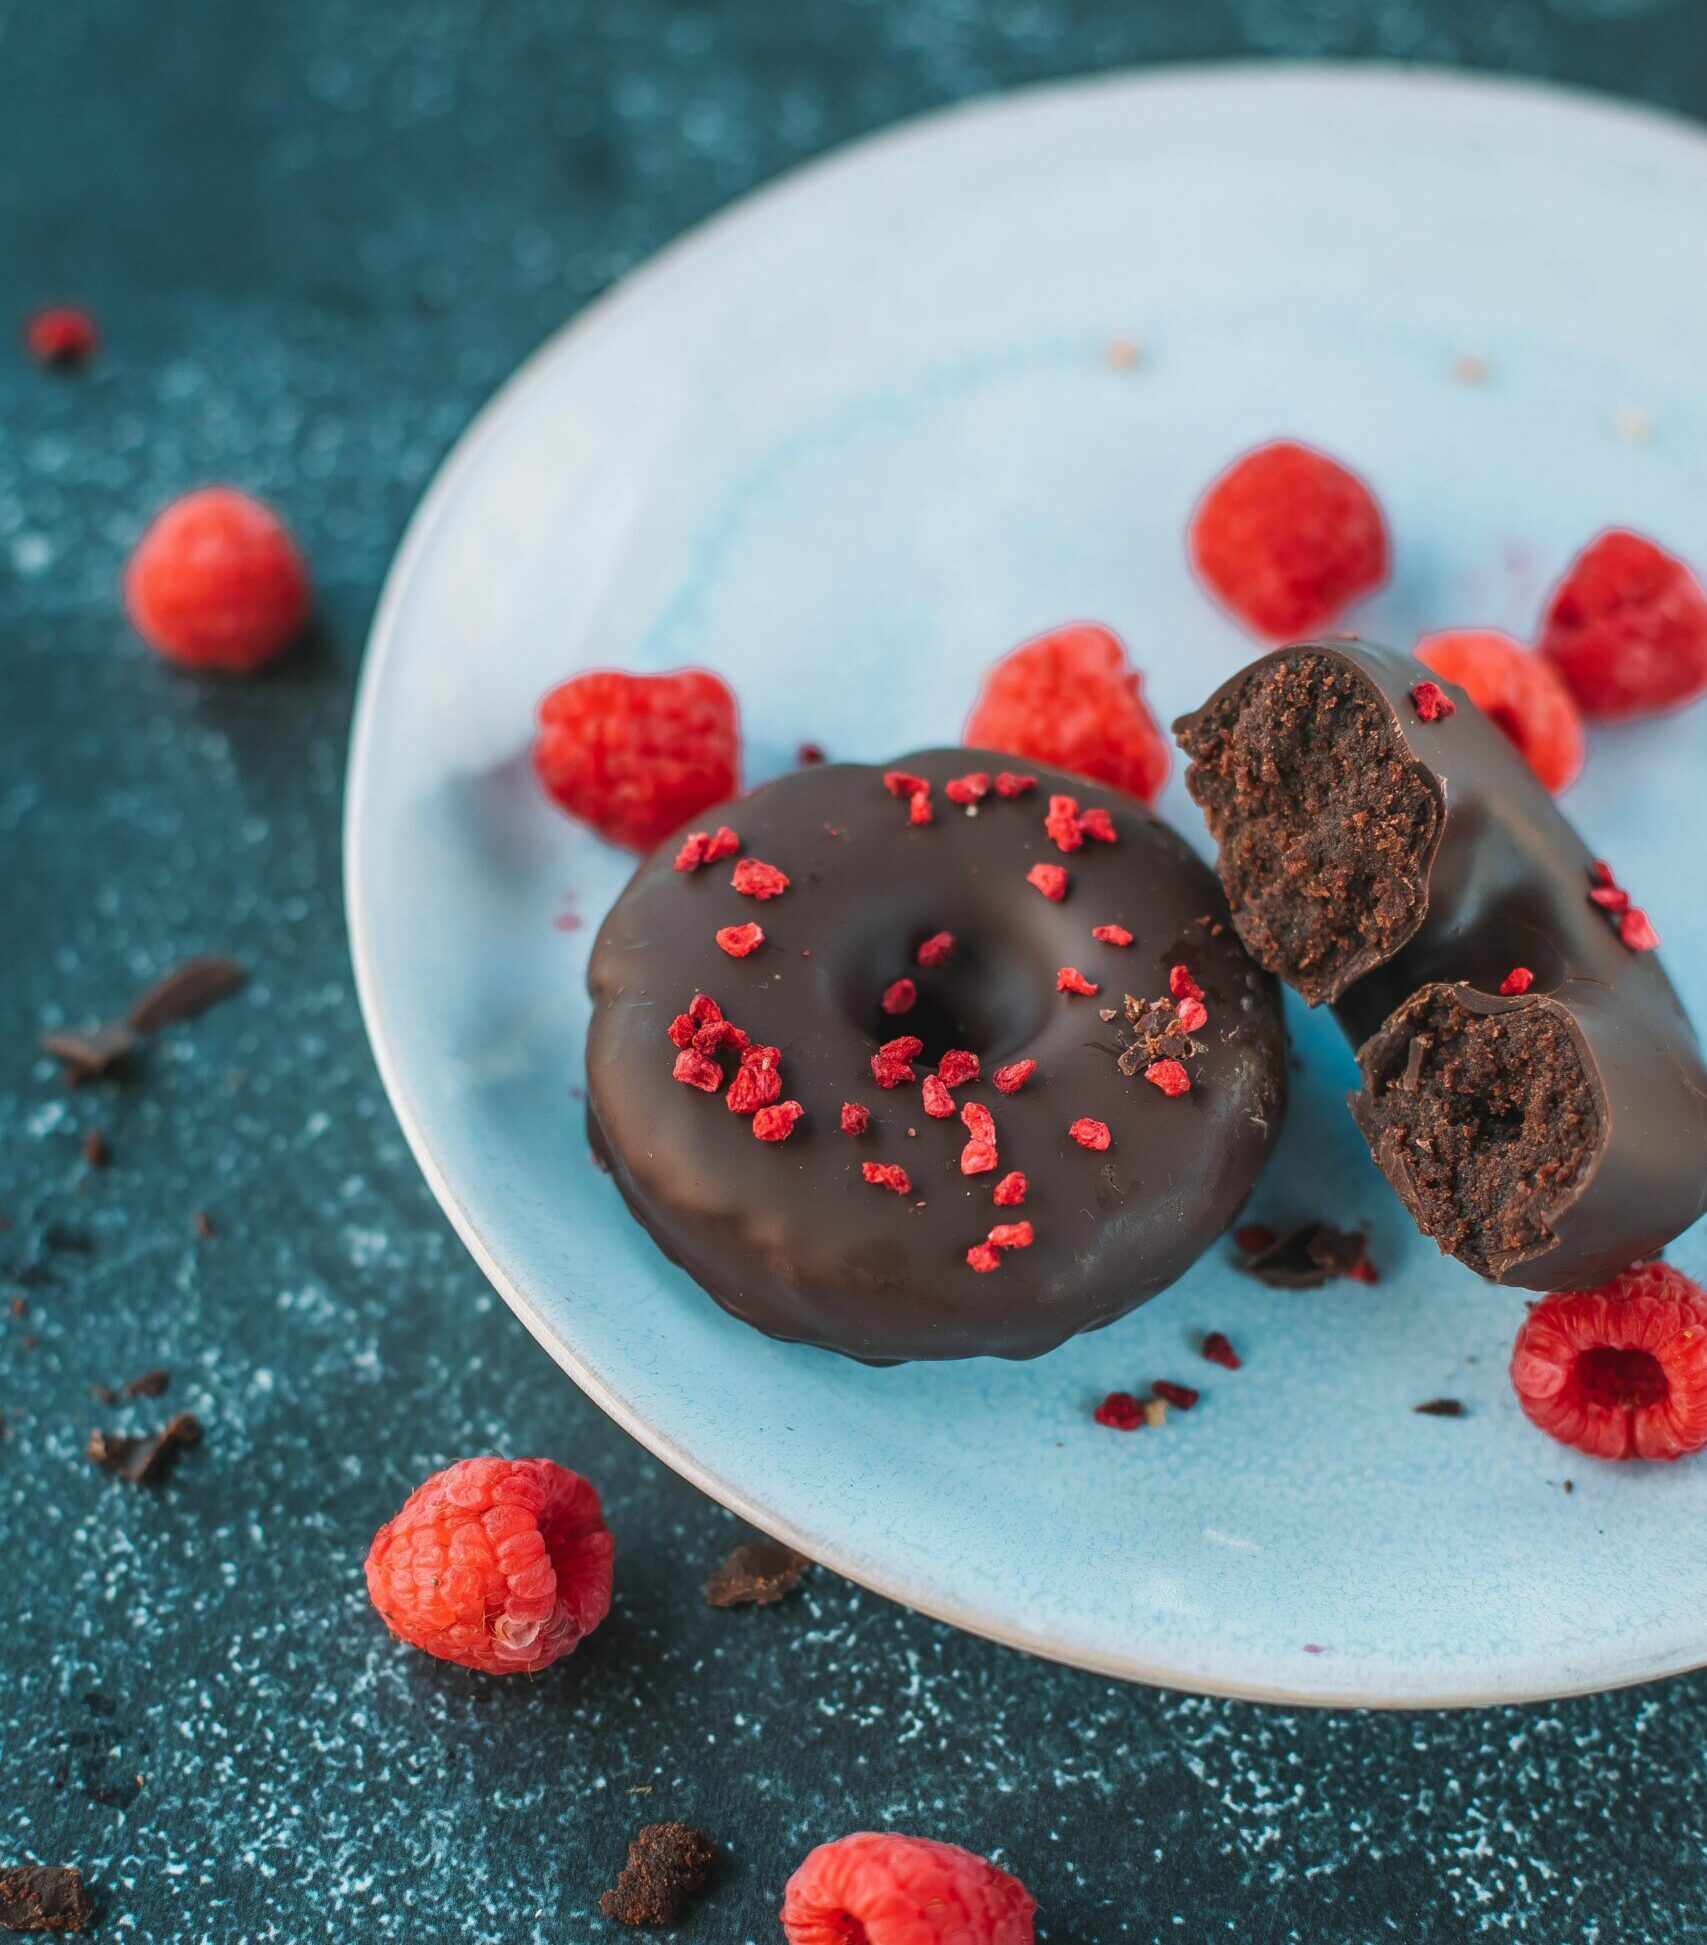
[
  {"x": 1440, "y": 1408},
  {"x": 202, "y": 1223},
  {"x": 18, "y": 1307},
  {"x": 141, "y": 1459},
  {"x": 89, "y": 1052},
  {"x": 1307, "y": 1257},
  {"x": 187, "y": 990},
  {"x": 1570, "y": 1485},
  {"x": 103, "y": 1394},
  {"x": 95, "y": 1150},
  {"x": 150, "y": 1384},
  {"x": 667, "y": 1864},
  {"x": 755, "y": 1575},
  {"x": 42, "y": 1897}
]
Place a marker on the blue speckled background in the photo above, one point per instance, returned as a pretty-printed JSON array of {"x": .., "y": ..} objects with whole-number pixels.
[{"x": 317, "y": 233}]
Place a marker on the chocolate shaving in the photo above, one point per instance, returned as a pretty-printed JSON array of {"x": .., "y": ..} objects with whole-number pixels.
[
  {"x": 141, "y": 1459},
  {"x": 755, "y": 1575},
  {"x": 89, "y": 1052},
  {"x": 187, "y": 990},
  {"x": 43, "y": 1897},
  {"x": 667, "y": 1864},
  {"x": 1156, "y": 1035},
  {"x": 1308, "y": 1257},
  {"x": 1440, "y": 1408}
]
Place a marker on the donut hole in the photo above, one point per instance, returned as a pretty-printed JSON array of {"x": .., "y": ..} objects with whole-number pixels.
[{"x": 991, "y": 999}]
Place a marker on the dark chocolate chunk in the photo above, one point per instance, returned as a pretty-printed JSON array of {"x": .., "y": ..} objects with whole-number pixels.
[
  {"x": 667, "y": 1864},
  {"x": 187, "y": 990},
  {"x": 147, "y": 1384},
  {"x": 1400, "y": 868},
  {"x": 89, "y": 1052},
  {"x": 755, "y": 1575},
  {"x": 1440, "y": 1408},
  {"x": 43, "y": 1897},
  {"x": 1308, "y": 1257},
  {"x": 141, "y": 1459}
]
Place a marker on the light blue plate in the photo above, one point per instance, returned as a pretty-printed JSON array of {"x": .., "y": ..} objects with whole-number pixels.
[{"x": 845, "y": 445}]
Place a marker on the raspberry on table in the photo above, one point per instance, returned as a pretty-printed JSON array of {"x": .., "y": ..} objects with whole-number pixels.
[
  {"x": 1627, "y": 628},
  {"x": 1619, "y": 1372},
  {"x": 883, "y": 1889},
  {"x": 636, "y": 756},
  {"x": 503, "y": 1565},
  {"x": 1288, "y": 539},
  {"x": 217, "y": 583},
  {"x": 1071, "y": 698},
  {"x": 63, "y": 335},
  {"x": 1522, "y": 694}
]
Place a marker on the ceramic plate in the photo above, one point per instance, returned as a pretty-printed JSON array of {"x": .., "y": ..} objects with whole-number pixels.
[{"x": 848, "y": 443}]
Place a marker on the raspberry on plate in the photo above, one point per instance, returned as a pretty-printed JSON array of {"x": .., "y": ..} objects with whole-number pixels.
[
  {"x": 636, "y": 756},
  {"x": 889, "y": 1890},
  {"x": 500, "y": 1564},
  {"x": 1288, "y": 538},
  {"x": 217, "y": 583},
  {"x": 1071, "y": 698},
  {"x": 1627, "y": 628},
  {"x": 1619, "y": 1372},
  {"x": 1522, "y": 694}
]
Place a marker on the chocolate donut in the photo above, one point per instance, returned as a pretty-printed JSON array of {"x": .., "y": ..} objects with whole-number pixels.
[
  {"x": 962, "y": 898},
  {"x": 1385, "y": 848}
]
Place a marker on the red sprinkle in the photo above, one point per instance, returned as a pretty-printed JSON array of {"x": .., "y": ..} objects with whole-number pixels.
[
  {"x": 1012, "y": 1235},
  {"x": 1218, "y": 1348},
  {"x": 969, "y": 789},
  {"x": 887, "y": 1175},
  {"x": 984, "y": 1258},
  {"x": 979, "y": 1121},
  {"x": 1254, "y": 1236},
  {"x": 1091, "y": 1134},
  {"x": 1169, "y": 1076},
  {"x": 758, "y": 1081},
  {"x": 698, "y": 1070},
  {"x": 62, "y": 335},
  {"x": 1050, "y": 879},
  {"x": 900, "y": 997},
  {"x": 778, "y": 1123},
  {"x": 739, "y": 940},
  {"x": 1636, "y": 931},
  {"x": 1182, "y": 985},
  {"x": 1518, "y": 980},
  {"x": 1183, "y": 1396},
  {"x": 937, "y": 949},
  {"x": 1008, "y": 784},
  {"x": 1432, "y": 703},
  {"x": 978, "y": 1157},
  {"x": 939, "y": 1103},
  {"x": 1010, "y": 1079},
  {"x": 856, "y": 1118},
  {"x": 702, "y": 847},
  {"x": 1120, "y": 1411},
  {"x": 759, "y": 880},
  {"x": 1111, "y": 934},
  {"x": 956, "y": 1068},
  {"x": 1010, "y": 1190},
  {"x": 1062, "y": 823},
  {"x": 1070, "y": 980}
]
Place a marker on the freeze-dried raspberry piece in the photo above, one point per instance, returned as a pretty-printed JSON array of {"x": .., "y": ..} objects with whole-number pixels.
[
  {"x": 740, "y": 940},
  {"x": 856, "y": 1118},
  {"x": 916, "y": 790},
  {"x": 706, "y": 847},
  {"x": 1070, "y": 698},
  {"x": 1218, "y": 1348},
  {"x": 939, "y": 1103},
  {"x": 1012, "y": 1235},
  {"x": 1062, "y": 823},
  {"x": 779, "y": 1122},
  {"x": 698, "y": 1070},
  {"x": 1627, "y": 628},
  {"x": 1120, "y": 1412},
  {"x": 1010, "y": 1190},
  {"x": 1011, "y": 1078},
  {"x": 1637, "y": 931},
  {"x": 1111, "y": 934},
  {"x": 956, "y": 1068},
  {"x": 1518, "y": 980},
  {"x": 1192, "y": 1015},
  {"x": 1432, "y": 703},
  {"x": 901, "y": 996},
  {"x": 937, "y": 950},
  {"x": 1183, "y": 1396},
  {"x": 1091, "y": 1134},
  {"x": 969, "y": 789},
  {"x": 887, "y": 1175},
  {"x": 1070, "y": 980},
  {"x": 1099, "y": 824},
  {"x": 1050, "y": 879},
  {"x": 893, "y": 1062},
  {"x": 756, "y": 879},
  {"x": 984, "y": 1257},
  {"x": 1522, "y": 694},
  {"x": 979, "y": 1121},
  {"x": 715, "y": 1035},
  {"x": 1182, "y": 985},
  {"x": 1169, "y": 1076},
  {"x": 1288, "y": 538},
  {"x": 978, "y": 1157},
  {"x": 1009, "y": 783},
  {"x": 758, "y": 1081}
]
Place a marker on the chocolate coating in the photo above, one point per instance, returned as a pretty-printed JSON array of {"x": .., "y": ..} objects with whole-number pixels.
[
  {"x": 1593, "y": 1121},
  {"x": 788, "y": 1235}
]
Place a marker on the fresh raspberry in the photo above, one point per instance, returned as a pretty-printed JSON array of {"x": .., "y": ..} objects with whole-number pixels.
[
  {"x": 62, "y": 335},
  {"x": 637, "y": 755},
  {"x": 1192, "y": 1015},
  {"x": 756, "y": 879},
  {"x": 1288, "y": 538},
  {"x": 777, "y": 1123},
  {"x": 1522, "y": 694},
  {"x": 1010, "y": 1079},
  {"x": 1627, "y": 628},
  {"x": 887, "y": 1175},
  {"x": 1619, "y": 1372},
  {"x": 856, "y": 1118},
  {"x": 937, "y": 950},
  {"x": 740, "y": 940},
  {"x": 957, "y": 1067},
  {"x": 1070, "y": 980},
  {"x": 1091, "y": 1134},
  {"x": 1111, "y": 934},
  {"x": 1120, "y": 1412},
  {"x": 217, "y": 583},
  {"x": 939, "y": 1103},
  {"x": 1182, "y": 985},
  {"x": 901, "y": 996},
  {"x": 499, "y": 1564},
  {"x": 969, "y": 789},
  {"x": 872, "y": 1889},
  {"x": 1169, "y": 1076},
  {"x": 706, "y": 847},
  {"x": 1218, "y": 1348},
  {"x": 1432, "y": 703},
  {"x": 1070, "y": 698},
  {"x": 1050, "y": 879},
  {"x": 758, "y": 1081},
  {"x": 1010, "y": 1190},
  {"x": 1518, "y": 980}
]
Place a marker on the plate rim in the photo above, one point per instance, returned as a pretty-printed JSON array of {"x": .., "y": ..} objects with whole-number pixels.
[{"x": 441, "y": 494}]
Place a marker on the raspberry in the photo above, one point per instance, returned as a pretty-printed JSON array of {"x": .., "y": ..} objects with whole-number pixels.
[
  {"x": 978, "y": 1157},
  {"x": 1181, "y": 1396},
  {"x": 957, "y": 1067},
  {"x": 1062, "y": 823},
  {"x": 1218, "y": 1348},
  {"x": 1070, "y": 698},
  {"x": 1120, "y": 1412},
  {"x": 855, "y": 1118},
  {"x": 777, "y": 1123},
  {"x": 1627, "y": 628},
  {"x": 1432, "y": 703},
  {"x": 979, "y": 1122},
  {"x": 1070, "y": 980},
  {"x": 1182, "y": 985},
  {"x": 1619, "y": 1372},
  {"x": 758, "y": 1081},
  {"x": 1288, "y": 538},
  {"x": 1010, "y": 784},
  {"x": 916, "y": 791},
  {"x": 1637, "y": 931},
  {"x": 936, "y": 950},
  {"x": 698, "y": 1070},
  {"x": 1010, "y": 1079},
  {"x": 740, "y": 940},
  {"x": 499, "y": 1564},
  {"x": 706, "y": 847},
  {"x": 1091, "y": 1134},
  {"x": 1521, "y": 694},
  {"x": 1192, "y": 1015},
  {"x": 1050, "y": 879},
  {"x": 939, "y": 1103},
  {"x": 891, "y": 1890},
  {"x": 893, "y": 1061},
  {"x": 1518, "y": 980},
  {"x": 1169, "y": 1076},
  {"x": 1012, "y": 1235},
  {"x": 715, "y": 1035},
  {"x": 969, "y": 789},
  {"x": 1010, "y": 1190},
  {"x": 984, "y": 1257},
  {"x": 637, "y": 755},
  {"x": 1111, "y": 934},
  {"x": 62, "y": 335},
  {"x": 1097, "y": 823},
  {"x": 217, "y": 583},
  {"x": 887, "y": 1175},
  {"x": 900, "y": 997},
  {"x": 759, "y": 880}
]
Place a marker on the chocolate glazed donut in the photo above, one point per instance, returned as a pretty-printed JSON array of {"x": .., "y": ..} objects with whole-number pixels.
[
  {"x": 1401, "y": 864},
  {"x": 788, "y": 1233}
]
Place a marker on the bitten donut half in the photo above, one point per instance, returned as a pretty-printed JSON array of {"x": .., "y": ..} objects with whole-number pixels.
[
  {"x": 932, "y": 1061},
  {"x": 1532, "y": 1087}
]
